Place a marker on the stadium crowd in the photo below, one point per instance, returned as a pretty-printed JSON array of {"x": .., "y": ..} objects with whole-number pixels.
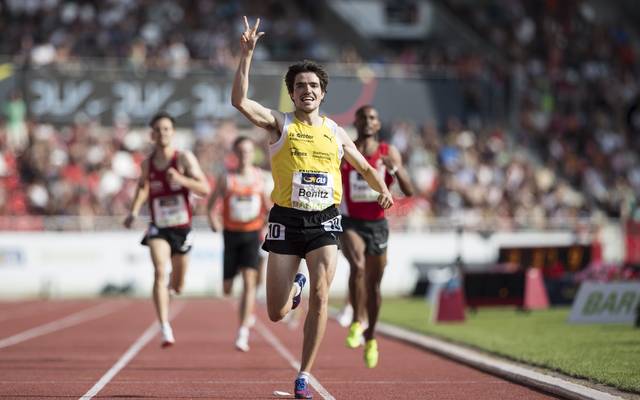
[
  {"x": 167, "y": 34},
  {"x": 575, "y": 73},
  {"x": 573, "y": 152}
]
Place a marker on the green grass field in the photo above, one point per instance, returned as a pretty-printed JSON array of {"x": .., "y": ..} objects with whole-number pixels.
[{"x": 608, "y": 354}]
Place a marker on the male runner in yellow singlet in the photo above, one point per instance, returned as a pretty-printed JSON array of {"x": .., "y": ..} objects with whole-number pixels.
[{"x": 306, "y": 150}]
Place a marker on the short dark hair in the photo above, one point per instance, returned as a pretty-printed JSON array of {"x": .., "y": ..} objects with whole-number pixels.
[
  {"x": 239, "y": 140},
  {"x": 360, "y": 111},
  {"x": 306, "y": 66},
  {"x": 159, "y": 116}
]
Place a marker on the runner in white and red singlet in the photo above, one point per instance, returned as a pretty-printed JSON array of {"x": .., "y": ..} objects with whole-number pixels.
[
  {"x": 169, "y": 178},
  {"x": 366, "y": 231}
]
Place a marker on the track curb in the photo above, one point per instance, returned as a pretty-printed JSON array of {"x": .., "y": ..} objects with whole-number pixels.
[{"x": 505, "y": 369}]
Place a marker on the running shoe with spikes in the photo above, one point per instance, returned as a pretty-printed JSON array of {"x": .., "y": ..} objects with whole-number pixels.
[
  {"x": 300, "y": 280},
  {"x": 167, "y": 336},
  {"x": 301, "y": 389},
  {"x": 354, "y": 338},
  {"x": 242, "y": 341},
  {"x": 345, "y": 316},
  {"x": 371, "y": 353}
]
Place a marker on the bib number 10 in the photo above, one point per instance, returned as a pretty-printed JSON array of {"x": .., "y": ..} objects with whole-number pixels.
[{"x": 275, "y": 231}]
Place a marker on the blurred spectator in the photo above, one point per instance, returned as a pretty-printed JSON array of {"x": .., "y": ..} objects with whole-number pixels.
[{"x": 16, "y": 129}]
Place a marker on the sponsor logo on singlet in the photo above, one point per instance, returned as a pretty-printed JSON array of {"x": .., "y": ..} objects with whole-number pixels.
[{"x": 310, "y": 178}]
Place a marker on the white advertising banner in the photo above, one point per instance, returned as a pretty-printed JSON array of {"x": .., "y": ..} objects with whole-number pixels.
[
  {"x": 598, "y": 302},
  {"x": 66, "y": 264},
  {"x": 69, "y": 264}
]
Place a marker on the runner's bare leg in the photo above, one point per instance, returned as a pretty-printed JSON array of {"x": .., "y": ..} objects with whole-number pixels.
[{"x": 322, "y": 267}]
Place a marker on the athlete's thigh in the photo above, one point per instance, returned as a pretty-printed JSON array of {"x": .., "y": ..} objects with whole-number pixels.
[
  {"x": 281, "y": 269},
  {"x": 321, "y": 263},
  {"x": 160, "y": 253},
  {"x": 353, "y": 247}
]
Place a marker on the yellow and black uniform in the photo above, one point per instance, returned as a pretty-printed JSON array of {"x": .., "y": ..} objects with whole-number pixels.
[{"x": 305, "y": 164}]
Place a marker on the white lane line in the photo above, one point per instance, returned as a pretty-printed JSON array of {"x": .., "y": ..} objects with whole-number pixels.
[
  {"x": 148, "y": 334},
  {"x": 71, "y": 320},
  {"x": 273, "y": 341}
]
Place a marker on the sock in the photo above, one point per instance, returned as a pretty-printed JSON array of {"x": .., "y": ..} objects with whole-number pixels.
[
  {"x": 165, "y": 326},
  {"x": 243, "y": 331},
  {"x": 303, "y": 375}
]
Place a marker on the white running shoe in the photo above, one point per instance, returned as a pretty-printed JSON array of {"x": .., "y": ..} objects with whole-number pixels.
[
  {"x": 242, "y": 341},
  {"x": 345, "y": 316},
  {"x": 167, "y": 336}
]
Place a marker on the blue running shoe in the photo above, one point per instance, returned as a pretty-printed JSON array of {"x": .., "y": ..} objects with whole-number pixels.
[
  {"x": 299, "y": 280},
  {"x": 302, "y": 390}
]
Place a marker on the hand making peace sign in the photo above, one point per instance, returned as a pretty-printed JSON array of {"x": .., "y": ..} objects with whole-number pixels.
[{"x": 250, "y": 35}]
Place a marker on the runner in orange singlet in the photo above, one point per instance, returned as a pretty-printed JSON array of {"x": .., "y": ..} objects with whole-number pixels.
[{"x": 244, "y": 213}]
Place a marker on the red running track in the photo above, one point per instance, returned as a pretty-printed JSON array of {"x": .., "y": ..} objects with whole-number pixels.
[{"x": 110, "y": 349}]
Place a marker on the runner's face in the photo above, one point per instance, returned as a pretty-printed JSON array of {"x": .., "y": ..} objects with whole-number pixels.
[
  {"x": 245, "y": 152},
  {"x": 162, "y": 132},
  {"x": 367, "y": 123},
  {"x": 307, "y": 93}
]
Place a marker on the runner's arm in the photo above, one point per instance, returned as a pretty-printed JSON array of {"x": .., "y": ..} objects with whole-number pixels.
[
  {"x": 395, "y": 167},
  {"x": 212, "y": 216},
  {"x": 263, "y": 117},
  {"x": 140, "y": 197},
  {"x": 193, "y": 178},
  {"x": 373, "y": 178}
]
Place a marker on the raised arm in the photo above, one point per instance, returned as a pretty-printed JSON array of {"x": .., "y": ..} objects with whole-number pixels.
[
  {"x": 373, "y": 178},
  {"x": 263, "y": 117}
]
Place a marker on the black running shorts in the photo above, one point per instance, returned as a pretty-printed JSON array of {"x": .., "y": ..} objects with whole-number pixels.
[
  {"x": 180, "y": 239},
  {"x": 241, "y": 249},
  {"x": 298, "y": 232},
  {"x": 374, "y": 233}
]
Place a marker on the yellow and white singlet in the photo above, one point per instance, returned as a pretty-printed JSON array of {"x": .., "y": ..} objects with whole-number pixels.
[{"x": 305, "y": 163}]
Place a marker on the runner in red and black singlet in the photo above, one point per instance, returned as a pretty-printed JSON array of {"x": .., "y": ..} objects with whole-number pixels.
[
  {"x": 359, "y": 200},
  {"x": 167, "y": 181},
  {"x": 244, "y": 210},
  {"x": 170, "y": 204},
  {"x": 366, "y": 231}
]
